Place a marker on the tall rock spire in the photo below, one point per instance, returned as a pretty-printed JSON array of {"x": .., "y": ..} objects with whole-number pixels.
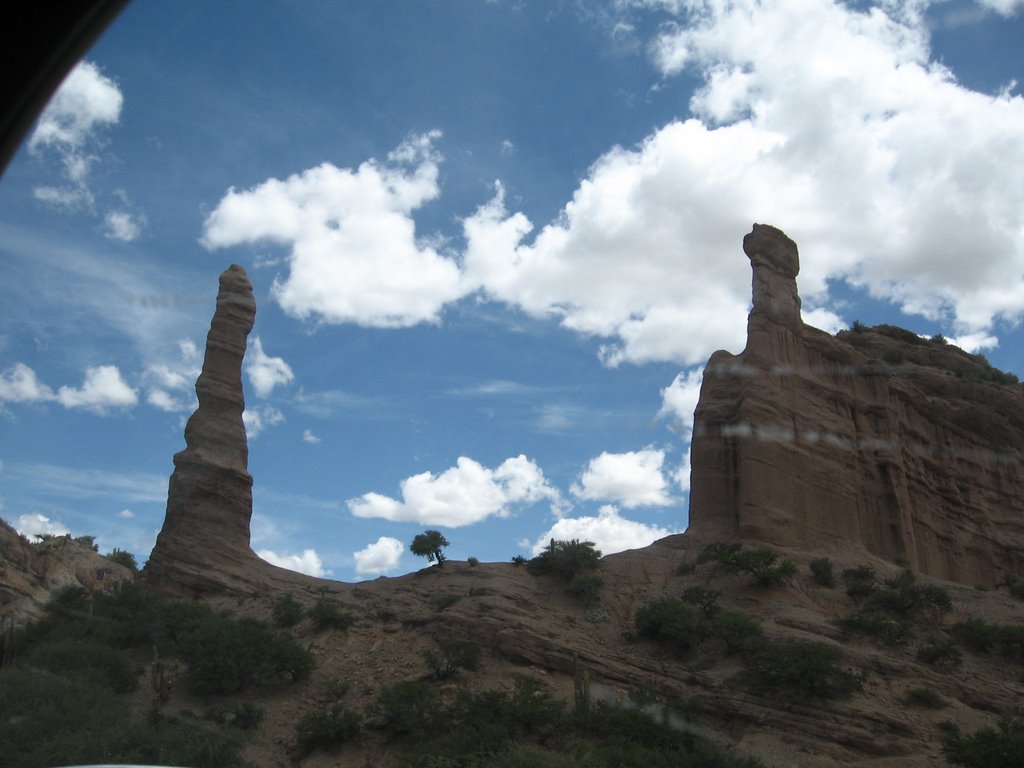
[
  {"x": 204, "y": 542},
  {"x": 873, "y": 440}
]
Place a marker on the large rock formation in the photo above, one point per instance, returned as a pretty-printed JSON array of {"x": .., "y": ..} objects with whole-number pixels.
[
  {"x": 874, "y": 439},
  {"x": 204, "y": 543}
]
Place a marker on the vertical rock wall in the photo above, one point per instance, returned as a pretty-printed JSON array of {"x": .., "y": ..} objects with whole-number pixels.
[{"x": 811, "y": 441}]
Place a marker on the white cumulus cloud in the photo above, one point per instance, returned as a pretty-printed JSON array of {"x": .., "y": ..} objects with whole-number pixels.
[
  {"x": 825, "y": 119},
  {"x": 19, "y": 384},
  {"x": 102, "y": 389},
  {"x": 309, "y": 437},
  {"x": 258, "y": 418},
  {"x": 609, "y": 531},
  {"x": 462, "y": 495},
  {"x": 36, "y": 523},
  {"x": 353, "y": 251},
  {"x": 123, "y": 226},
  {"x": 308, "y": 562},
  {"x": 171, "y": 386},
  {"x": 86, "y": 101},
  {"x": 265, "y": 372},
  {"x": 632, "y": 479},
  {"x": 380, "y": 557}
]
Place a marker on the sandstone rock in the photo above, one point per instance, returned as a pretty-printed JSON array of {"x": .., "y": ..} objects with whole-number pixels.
[
  {"x": 878, "y": 440},
  {"x": 204, "y": 543}
]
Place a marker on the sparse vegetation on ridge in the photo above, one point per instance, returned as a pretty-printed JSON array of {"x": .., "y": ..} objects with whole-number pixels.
[
  {"x": 430, "y": 544},
  {"x": 768, "y": 568}
]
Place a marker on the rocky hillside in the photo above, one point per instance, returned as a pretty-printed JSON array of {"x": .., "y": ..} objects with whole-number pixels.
[{"x": 856, "y": 500}]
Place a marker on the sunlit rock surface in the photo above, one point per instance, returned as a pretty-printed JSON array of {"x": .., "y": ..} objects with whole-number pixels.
[{"x": 875, "y": 439}]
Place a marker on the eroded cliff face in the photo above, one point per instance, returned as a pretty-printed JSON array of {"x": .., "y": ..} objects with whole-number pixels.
[
  {"x": 204, "y": 543},
  {"x": 874, "y": 439}
]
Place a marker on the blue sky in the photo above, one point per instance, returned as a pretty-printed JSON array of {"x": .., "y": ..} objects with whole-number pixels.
[{"x": 493, "y": 243}]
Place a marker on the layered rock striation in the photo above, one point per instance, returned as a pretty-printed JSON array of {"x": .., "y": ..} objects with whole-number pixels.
[
  {"x": 204, "y": 543},
  {"x": 875, "y": 439}
]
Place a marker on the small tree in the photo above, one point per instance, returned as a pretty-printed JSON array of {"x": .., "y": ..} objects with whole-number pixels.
[{"x": 429, "y": 545}]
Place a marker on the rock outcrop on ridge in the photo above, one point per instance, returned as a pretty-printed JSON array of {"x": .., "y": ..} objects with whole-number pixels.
[
  {"x": 875, "y": 439},
  {"x": 204, "y": 543}
]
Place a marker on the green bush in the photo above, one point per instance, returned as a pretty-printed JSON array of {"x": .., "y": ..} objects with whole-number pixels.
[
  {"x": 451, "y": 656},
  {"x": 566, "y": 559},
  {"x": 586, "y": 587},
  {"x": 982, "y": 637},
  {"x": 987, "y": 747},
  {"x": 225, "y": 656},
  {"x": 889, "y": 631},
  {"x": 672, "y": 622},
  {"x": 286, "y": 611},
  {"x": 704, "y": 598},
  {"x": 472, "y": 561},
  {"x": 902, "y": 596},
  {"x": 123, "y": 557},
  {"x": 244, "y": 715},
  {"x": 821, "y": 572},
  {"x": 860, "y": 582},
  {"x": 799, "y": 669},
  {"x": 430, "y": 544},
  {"x": 51, "y": 720},
  {"x": 326, "y": 615},
  {"x": 739, "y": 632},
  {"x": 764, "y": 564},
  {"x": 411, "y": 709},
  {"x": 944, "y": 654},
  {"x": 518, "y": 560},
  {"x": 84, "y": 660},
  {"x": 325, "y": 729}
]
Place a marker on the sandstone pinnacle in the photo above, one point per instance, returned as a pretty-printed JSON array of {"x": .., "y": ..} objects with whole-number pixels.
[
  {"x": 204, "y": 543},
  {"x": 874, "y": 440}
]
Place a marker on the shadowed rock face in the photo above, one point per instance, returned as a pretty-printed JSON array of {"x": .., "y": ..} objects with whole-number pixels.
[
  {"x": 877, "y": 439},
  {"x": 204, "y": 543}
]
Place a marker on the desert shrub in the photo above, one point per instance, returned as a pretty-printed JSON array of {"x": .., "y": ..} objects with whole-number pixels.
[
  {"x": 720, "y": 553},
  {"x": 800, "y": 669},
  {"x": 566, "y": 559},
  {"x": 451, "y": 656},
  {"x": 586, "y": 587},
  {"x": 244, "y": 715},
  {"x": 518, "y": 560},
  {"x": 704, "y": 598},
  {"x": 858, "y": 327},
  {"x": 902, "y": 596},
  {"x": 440, "y": 602},
  {"x": 987, "y": 747},
  {"x": 860, "y": 582},
  {"x": 88, "y": 660},
  {"x": 671, "y": 621},
  {"x": 52, "y": 720},
  {"x": 411, "y": 709},
  {"x": 472, "y": 561},
  {"x": 325, "y": 729},
  {"x": 685, "y": 567},
  {"x": 1014, "y": 585},
  {"x": 764, "y": 564},
  {"x": 123, "y": 557},
  {"x": 982, "y": 637},
  {"x": 89, "y": 542},
  {"x": 821, "y": 572},
  {"x": 430, "y": 544},
  {"x": 944, "y": 654},
  {"x": 924, "y": 697},
  {"x": 739, "y": 632},
  {"x": 327, "y": 615},
  {"x": 867, "y": 622},
  {"x": 225, "y": 656},
  {"x": 286, "y": 610}
]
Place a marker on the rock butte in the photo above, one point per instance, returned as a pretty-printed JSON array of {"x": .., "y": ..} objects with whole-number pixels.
[{"x": 814, "y": 442}]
